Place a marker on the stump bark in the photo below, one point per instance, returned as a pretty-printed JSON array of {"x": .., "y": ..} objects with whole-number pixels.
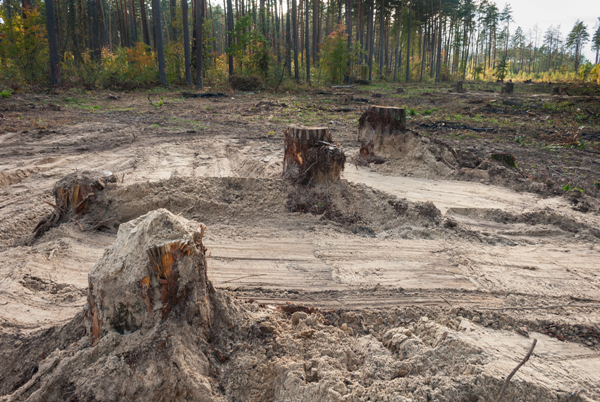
[
  {"x": 311, "y": 156},
  {"x": 73, "y": 196},
  {"x": 508, "y": 88},
  {"x": 377, "y": 124},
  {"x": 459, "y": 87}
]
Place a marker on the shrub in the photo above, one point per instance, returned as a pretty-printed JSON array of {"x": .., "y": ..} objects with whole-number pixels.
[
  {"x": 24, "y": 48},
  {"x": 334, "y": 56},
  {"x": 243, "y": 83}
]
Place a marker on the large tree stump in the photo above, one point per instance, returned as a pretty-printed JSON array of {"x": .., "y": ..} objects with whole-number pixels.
[
  {"x": 73, "y": 196},
  {"x": 311, "y": 156},
  {"x": 156, "y": 267},
  {"x": 377, "y": 124}
]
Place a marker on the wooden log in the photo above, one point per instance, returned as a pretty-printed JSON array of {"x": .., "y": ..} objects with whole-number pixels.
[
  {"x": 311, "y": 156},
  {"x": 377, "y": 123}
]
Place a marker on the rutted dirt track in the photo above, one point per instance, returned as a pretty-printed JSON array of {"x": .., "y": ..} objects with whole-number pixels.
[{"x": 481, "y": 261}]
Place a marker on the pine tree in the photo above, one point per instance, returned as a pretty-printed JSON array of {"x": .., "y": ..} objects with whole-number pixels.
[{"x": 576, "y": 39}]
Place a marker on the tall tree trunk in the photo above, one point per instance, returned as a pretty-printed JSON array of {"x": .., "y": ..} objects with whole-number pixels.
[
  {"x": 396, "y": 61},
  {"x": 371, "y": 37},
  {"x": 315, "y": 30},
  {"x": 295, "y": 29},
  {"x": 133, "y": 24},
  {"x": 288, "y": 40},
  {"x": 162, "y": 75},
  {"x": 173, "y": 10},
  {"x": 408, "y": 41},
  {"x": 145, "y": 31},
  {"x": 423, "y": 42},
  {"x": 199, "y": 43},
  {"x": 52, "y": 43},
  {"x": 381, "y": 41},
  {"x": 349, "y": 29},
  {"x": 186, "y": 43},
  {"x": 229, "y": 38},
  {"x": 438, "y": 67},
  {"x": 307, "y": 43},
  {"x": 277, "y": 32}
]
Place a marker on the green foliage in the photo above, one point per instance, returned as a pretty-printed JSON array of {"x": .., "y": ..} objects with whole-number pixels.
[
  {"x": 5, "y": 94},
  {"x": 124, "y": 68},
  {"x": 250, "y": 48},
  {"x": 334, "y": 55},
  {"x": 24, "y": 48},
  {"x": 569, "y": 187},
  {"x": 501, "y": 68}
]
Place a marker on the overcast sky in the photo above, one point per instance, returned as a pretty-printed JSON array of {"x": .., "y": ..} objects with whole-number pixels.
[{"x": 527, "y": 13}]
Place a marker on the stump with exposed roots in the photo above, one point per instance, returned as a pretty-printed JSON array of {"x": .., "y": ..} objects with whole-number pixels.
[
  {"x": 376, "y": 127},
  {"x": 73, "y": 196},
  {"x": 311, "y": 156}
]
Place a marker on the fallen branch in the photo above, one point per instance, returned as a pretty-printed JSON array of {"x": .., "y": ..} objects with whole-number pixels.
[
  {"x": 515, "y": 371},
  {"x": 77, "y": 222},
  {"x": 54, "y": 205},
  {"x": 342, "y": 86}
]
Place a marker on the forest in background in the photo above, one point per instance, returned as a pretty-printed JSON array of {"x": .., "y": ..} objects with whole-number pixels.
[{"x": 258, "y": 43}]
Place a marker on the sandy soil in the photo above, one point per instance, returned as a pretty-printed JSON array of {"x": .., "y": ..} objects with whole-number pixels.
[{"x": 486, "y": 255}]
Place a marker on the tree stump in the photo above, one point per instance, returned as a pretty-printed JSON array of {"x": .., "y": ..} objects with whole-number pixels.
[
  {"x": 311, "y": 156},
  {"x": 73, "y": 196},
  {"x": 508, "y": 88},
  {"x": 161, "y": 271},
  {"x": 377, "y": 124},
  {"x": 555, "y": 91},
  {"x": 459, "y": 87}
]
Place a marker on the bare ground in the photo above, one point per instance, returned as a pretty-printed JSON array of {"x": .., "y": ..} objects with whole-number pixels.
[{"x": 486, "y": 254}]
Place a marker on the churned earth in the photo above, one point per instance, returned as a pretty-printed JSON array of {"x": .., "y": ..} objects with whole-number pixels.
[{"x": 409, "y": 280}]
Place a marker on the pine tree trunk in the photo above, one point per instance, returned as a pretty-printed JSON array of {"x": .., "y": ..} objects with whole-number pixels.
[
  {"x": 162, "y": 75},
  {"x": 295, "y": 29},
  {"x": 370, "y": 36},
  {"x": 438, "y": 67},
  {"x": 381, "y": 41},
  {"x": 186, "y": 43},
  {"x": 315, "y": 30},
  {"x": 349, "y": 29},
  {"x": 307, "y": 42},
  {"x": 229, "y": 38},
  {"x": 133, "y": 24},
  {"x": 173, "y": 10},
  {"x": 408, "y": 42},
  {"x": 288, "y": 39},
  {"x": 199, "y": 43},
  {"x": 52, "y": 43},
  {"x": 145, "y": 31}
]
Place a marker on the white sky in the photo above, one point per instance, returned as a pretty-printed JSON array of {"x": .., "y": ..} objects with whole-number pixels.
[{"x": 526, "y": 13}]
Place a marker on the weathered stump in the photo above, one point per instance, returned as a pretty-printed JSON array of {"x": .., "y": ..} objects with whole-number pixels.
[
  {"x": 311, "y": 156},
  {"x": 508, "y": 88},
  {"x": 555, "y": 91},
  {"x": 377, "y": 124},
  {"x": 155, "y": 268},
  {"x": 459, "y": 87},
  {"x": 73, "y": 196}
]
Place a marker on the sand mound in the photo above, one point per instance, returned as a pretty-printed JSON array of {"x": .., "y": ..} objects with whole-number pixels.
[{"x": 413, "y": 154}]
